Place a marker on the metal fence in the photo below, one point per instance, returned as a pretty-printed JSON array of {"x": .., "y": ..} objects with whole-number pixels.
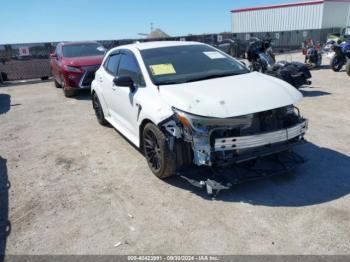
[
  {"x": 29, "y": 61},
  {"x": 25, "y": 61}
]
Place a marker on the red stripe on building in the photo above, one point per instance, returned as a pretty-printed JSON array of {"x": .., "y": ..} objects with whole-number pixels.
[{"x": 277, "y": 6}]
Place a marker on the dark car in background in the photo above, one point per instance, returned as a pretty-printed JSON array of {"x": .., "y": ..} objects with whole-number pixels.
[
  {"x": 233, "y": 47},
  {"x": 73, "y": 65}
]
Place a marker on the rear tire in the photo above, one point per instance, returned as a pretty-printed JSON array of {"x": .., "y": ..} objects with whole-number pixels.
[
  {"x": 347, "y": 68},
  {"x": 98, "y": 110},
  {"x": 159, "y": 158}
]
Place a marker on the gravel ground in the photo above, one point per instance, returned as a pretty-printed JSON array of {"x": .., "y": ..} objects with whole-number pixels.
[{"x": 76, "y": 187}]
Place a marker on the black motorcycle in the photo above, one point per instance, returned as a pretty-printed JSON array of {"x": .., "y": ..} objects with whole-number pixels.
[
  {"x": 341, "y": 56},
  {"x": 262, "y": 59},
  {"x": 313, "y": 57}
]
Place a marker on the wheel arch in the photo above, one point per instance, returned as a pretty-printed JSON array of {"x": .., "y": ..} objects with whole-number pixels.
[
  {"x": 144, "y": 122},
  {"x": 100, "y": 96}
]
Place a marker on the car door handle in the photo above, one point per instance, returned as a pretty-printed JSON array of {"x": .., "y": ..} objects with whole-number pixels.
[{"x": 114, "y": 88}]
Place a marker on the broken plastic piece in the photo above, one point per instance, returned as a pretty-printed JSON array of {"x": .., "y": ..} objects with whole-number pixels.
[{"x": 118, "y": 244}]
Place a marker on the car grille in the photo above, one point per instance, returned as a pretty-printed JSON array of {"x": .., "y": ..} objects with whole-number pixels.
[{"x": 89, "y": 75}]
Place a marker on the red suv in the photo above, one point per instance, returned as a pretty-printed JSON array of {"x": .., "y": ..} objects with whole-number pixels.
[{"x": 73, "y": 65}]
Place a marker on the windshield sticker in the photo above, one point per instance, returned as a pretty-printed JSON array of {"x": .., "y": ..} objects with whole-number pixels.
[
  {"x": 214, "y": 55},
  {"x": 162, "y": 69}
]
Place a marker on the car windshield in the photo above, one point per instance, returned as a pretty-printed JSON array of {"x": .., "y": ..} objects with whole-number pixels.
[
  {"x": 189, "y": 63},
  {"x": 80, "y": 50}
]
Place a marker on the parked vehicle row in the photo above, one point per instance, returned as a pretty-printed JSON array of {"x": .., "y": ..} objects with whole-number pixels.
[{"x": 262, "y": 59}]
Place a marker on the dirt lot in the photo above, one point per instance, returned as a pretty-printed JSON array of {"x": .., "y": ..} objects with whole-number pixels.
[{"x": 76, "y": 187}]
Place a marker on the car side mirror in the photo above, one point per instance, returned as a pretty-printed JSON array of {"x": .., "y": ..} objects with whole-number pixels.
[{"x": 125, "y": 81}]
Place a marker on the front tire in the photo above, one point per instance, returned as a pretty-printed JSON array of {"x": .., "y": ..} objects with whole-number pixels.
[
  {"x": 159, "y": 158},
  {"x": 69, "y": 92},
  {"x": 57, "y": 85},
  {"x": 336, "y": 63},
  {"x": 98, "y": 110}
]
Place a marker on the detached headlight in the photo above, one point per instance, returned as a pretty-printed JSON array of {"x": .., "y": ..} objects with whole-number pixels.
[
  {"x": 73, "y": 69},
  {"x": 185, "y": 119}
]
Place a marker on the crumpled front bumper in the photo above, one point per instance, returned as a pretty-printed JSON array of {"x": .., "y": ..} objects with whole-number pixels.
[
  {"x": 246, "y": 142},
  {"x": 244, "y": 148}
]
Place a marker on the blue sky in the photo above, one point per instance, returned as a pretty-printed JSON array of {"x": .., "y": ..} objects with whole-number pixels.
[{"x": 23, "y": 21}]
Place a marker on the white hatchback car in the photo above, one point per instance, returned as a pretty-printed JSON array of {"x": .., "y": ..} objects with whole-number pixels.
[{"x": 186, "y": 103}]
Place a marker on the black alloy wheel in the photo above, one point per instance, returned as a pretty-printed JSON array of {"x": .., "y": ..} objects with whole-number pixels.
[
  {"x": 159, "y": 158},
  {"x": 152, "y": 151}
]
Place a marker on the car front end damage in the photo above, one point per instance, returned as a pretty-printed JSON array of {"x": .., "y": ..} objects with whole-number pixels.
[{"x": 231, "y": 142}]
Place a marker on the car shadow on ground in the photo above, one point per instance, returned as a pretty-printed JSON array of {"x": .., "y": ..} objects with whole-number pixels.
[
  {"x": 5, "y": 103},
  {"x": 84, "y": 94},
  {"x": 5, "y": 225},
  {"x": 313, "y": 93},
  {"x": 323, "y": 178},
  {"x": 323, "y": 67}
]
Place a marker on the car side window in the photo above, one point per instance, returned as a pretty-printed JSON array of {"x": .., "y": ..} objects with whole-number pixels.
[
  {"x": 129, "y": 67},
  {"x": 111, "y": 64}
]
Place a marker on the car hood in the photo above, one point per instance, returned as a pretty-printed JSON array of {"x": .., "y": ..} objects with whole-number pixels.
[
  {"x": 231, "y": 96},
  {"x": 83, "y": 61}
]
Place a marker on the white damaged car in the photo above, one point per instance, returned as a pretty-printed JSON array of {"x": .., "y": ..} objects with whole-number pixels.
[{"x": 187, "y": 103}]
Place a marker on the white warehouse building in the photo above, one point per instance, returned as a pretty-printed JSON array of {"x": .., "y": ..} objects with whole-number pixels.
[{"x": 293, "y": 22}]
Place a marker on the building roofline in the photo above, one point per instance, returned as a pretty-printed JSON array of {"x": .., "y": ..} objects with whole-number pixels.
[
  {"x": 277, "y": 6},
  {"x": 78, "y": 42}
]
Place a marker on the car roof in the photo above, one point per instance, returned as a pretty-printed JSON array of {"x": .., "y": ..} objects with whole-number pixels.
[{"x": 158, "y": 44}]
